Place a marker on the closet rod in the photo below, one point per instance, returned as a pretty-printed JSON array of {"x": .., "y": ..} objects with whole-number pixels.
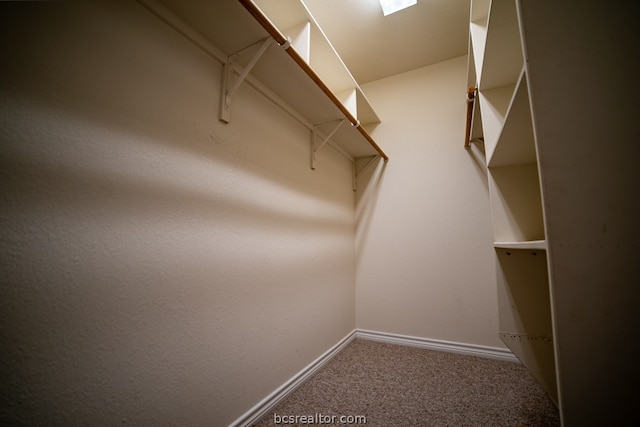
[
  {"x": 471, "y": 96},
  {"x": 281, "y": 39}
]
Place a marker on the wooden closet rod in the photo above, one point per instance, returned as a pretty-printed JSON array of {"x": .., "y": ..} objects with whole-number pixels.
[
  {"x": 471, "y": 97},
  {"x": 281, "y": 39}
]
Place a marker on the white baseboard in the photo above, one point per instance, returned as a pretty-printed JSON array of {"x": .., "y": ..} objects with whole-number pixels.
[
  {"x": 268, "y": 403},
  {"x": 449, "y": 346}
]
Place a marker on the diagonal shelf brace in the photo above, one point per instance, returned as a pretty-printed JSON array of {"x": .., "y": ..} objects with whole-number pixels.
[
  {"x": 228, "y": 89},
  {"x": 315, "y": 147},
  {"x": 357, "y": 170}
]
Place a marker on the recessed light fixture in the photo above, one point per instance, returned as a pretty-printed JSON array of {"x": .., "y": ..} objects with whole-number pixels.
[{"x": 392, "y": 6}]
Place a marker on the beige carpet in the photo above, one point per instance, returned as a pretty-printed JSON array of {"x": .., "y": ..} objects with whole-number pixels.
[{"x": 391, "y": 385}]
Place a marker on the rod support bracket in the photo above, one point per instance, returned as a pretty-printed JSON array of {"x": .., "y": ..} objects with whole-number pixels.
[
  {"x": 229, "y": 88},
  {"x": 315, "y": 147},
  {"x": 286, "y": 44}
]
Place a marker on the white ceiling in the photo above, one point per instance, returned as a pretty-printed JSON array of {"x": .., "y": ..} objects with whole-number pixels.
[{"x": 374, "y": 46}]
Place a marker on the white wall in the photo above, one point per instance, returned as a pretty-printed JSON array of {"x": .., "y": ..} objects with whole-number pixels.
[
  {"x": 158, "y": 267},
  {"x": 425, "y": 264}
]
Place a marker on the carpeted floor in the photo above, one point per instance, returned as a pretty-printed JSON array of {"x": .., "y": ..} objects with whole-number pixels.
[{"x": 391, "y": 385}]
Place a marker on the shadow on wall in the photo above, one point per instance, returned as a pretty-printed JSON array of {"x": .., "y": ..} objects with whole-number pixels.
[
  {"x": 478, "y": 159},
  {"x": 154, "y": 83},
  {"x": 96, "y": 168},
  {"x": 366, "y": 197}
]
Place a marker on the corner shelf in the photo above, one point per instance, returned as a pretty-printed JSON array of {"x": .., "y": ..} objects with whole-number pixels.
[
  {"x": 525, "y": 312},
  {"x": 494, "y": 104},
  {"x": 536, "y": 352},
  {"x": 290, "y": 70},
  {"x": 515, "y": 144},
  {"x": 478, "y": 34},
  {"x": 516, "y": 203},
  {"x": 540, "y": 245},
  {"x": 503, "y": 119},
  {"x": 503, "y": 57}
]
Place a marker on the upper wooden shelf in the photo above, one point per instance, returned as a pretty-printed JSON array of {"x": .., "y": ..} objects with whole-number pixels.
[{"x": 289, "y": 71}]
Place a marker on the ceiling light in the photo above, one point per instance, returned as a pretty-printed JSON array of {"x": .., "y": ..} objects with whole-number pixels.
[{"x": 391, "y": 6}]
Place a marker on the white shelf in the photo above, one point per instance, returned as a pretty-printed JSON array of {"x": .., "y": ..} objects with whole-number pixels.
[
  {"x": 327, "y": 64},
  {"x": 536, "y": 353},
  {"x": 531, "y": 244},
  {"x": 497, "y": 69},
  {"x": 503, "y": 58},
  {"x": 233, "y": 25},
  {"x": 321, "y": 56},
  {"x": 300, "y": 36},
  {"x": 480, "y": 11},
  {"x": 523, "y": 292},
  {"x": 496, "y": 56},
  {"x": 358, "y": 104},
  {"x": 366, "y": 113},
  {"x": 477, "y": 35},
  {"x": 524, "y": 310},
  {"x": 471, "y": 64},
  {"x": 516, "y": 205},
  {"x": 494, "y": 104},
  {"x": 515, "y": 144}
]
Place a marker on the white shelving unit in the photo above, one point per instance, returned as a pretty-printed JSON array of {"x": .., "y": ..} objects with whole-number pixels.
[
  {"x": 296, "y": 22},
  {"x": 502, "y": 117},
  {"x": 278, "y": 47}
]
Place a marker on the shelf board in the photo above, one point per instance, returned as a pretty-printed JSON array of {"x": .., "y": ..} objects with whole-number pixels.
[
  {"x": 327, "y": 64},
  {"x": 232, "y": 25},
  {"x": 471, "y": 64},
  {"x": 515, "y": 144},
  {"x": 536, "y": 353},
  {"x": 476, "y": 123},
  {"x": 366, "y": 113},
  {"x": 283, "y": 13},
  {"x": 478, "y": 35},
  {"x": 322, "y": 57},
  {"x": 480, "y": 10},
  {"x": 503, "y": 58},
  {"x": 358, "y": 104},
  {"x": 523, "y": 292},
  {"x": 479, "y": 13},
  {"x": 524, "y": 312},
  {"x": 516, "y": 205},
  {"x": 494, "y": 104},
  {"x": 531, "y": 244},
  {"x": 300, "y": 36}
]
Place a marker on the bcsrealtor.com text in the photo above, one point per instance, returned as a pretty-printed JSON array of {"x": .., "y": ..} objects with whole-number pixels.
[{"x": 319, "y": 419}]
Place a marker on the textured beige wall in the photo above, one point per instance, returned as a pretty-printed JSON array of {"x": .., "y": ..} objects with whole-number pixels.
[
  {"x": 425, "y": 265},
  {"x": 158, "y": 267}
]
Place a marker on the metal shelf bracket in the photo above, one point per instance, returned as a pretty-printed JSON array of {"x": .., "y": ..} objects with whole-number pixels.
[
  {"x": 229, "y": 88},
  {"x": 315, "y": 147}
]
